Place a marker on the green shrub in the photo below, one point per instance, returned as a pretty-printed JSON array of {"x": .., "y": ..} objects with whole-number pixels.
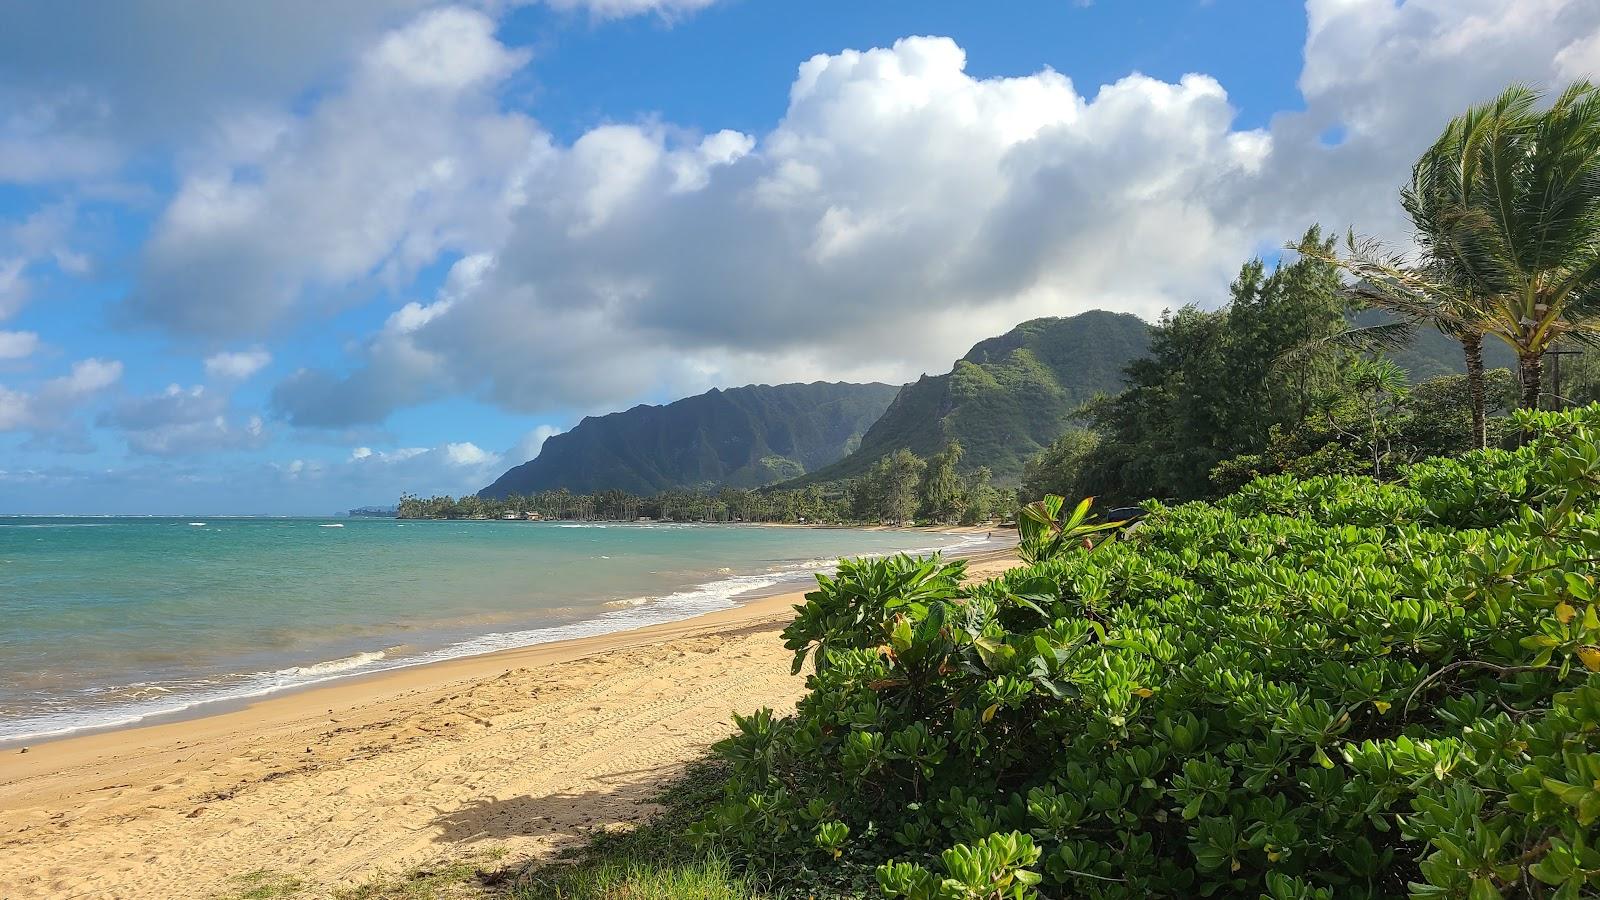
[{"x": 1313, "y": 688}]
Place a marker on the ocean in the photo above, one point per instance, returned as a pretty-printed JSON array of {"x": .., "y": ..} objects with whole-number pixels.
[{"x": 110, "y": 621}]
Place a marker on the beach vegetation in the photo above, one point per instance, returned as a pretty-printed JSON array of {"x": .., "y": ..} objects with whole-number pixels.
[
  {"x": 1313, "y": 687},
  {"x": 265, "y": 884},
  {"x": 472, "y": 877}
]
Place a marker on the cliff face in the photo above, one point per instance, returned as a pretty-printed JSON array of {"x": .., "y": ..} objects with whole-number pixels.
[{"x": 741, "y": 437}]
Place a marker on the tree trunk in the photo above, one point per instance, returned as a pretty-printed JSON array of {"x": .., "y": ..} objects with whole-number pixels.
[
  {"x": 1472, "y": 349},
  {"x": 1531, "y": 370}
]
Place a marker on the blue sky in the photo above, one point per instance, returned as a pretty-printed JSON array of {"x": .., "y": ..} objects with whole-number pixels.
[{"x": 292, "y": 258}]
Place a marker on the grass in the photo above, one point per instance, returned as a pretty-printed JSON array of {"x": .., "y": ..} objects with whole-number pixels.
[
  {"x": 473, "y": 877},
  {"x": 265, "y": 884},
  {"x": 621, "y": 878},
  {"x": 652, "y": 862}
]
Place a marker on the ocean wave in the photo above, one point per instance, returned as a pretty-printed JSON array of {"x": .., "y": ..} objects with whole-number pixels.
[{"x": 333, "y": 666}]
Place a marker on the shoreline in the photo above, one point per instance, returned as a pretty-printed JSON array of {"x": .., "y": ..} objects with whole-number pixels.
[
  {"x": 617, "y": 617},
  {"x": 520, "y": 751},
  {"x": 756, "y": 606}
]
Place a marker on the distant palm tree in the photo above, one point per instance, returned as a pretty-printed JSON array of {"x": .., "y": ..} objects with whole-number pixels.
[{"x": 1506, "y": 206}]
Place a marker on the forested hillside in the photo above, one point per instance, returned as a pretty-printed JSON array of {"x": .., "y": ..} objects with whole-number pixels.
[
  {"x": 1009, "y": 397},
  {"x": 740, "y": 437}
]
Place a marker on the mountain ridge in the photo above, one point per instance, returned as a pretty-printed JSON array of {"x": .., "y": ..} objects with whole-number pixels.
[
  {"x": 747, "y": 437},
  {"x": 1005, "y": 399}
]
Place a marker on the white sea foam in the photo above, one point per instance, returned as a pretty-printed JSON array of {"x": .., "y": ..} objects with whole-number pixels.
[{"x": 332, "y": 666}]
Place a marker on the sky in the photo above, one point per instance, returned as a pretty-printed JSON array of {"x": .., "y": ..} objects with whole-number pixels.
[{"x": 295, "y": 257}]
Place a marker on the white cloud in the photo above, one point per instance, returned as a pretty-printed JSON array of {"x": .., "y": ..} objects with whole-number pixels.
[
  {"x": 18, "y": 344},
  {"x": 40, "y": 239},
  {"x": 237, "y": 365},
  {"x": 48, "y": 413},
  {"x": 14, "y": 409},
  {"x": 900, "y": 209},
  {"x": 617, "y": 9},
  {"x": 13, "y": 288},
  {"x": 1579, "y": 59},
  {"x": 83, "y": 92},
  {"x": 531, "y": 443},
  {"x": 1386, "y": 77},
  {"x": 86, "y": 377},
  {"x": 54, "y": 136},
  {"x": 395, "y": 372},
  {"x": 370, "y": 475},
  {"x": 897, "y": 210},
  {"x": 467, "y": 453},
  {"x": 409, "y": 159},
  {"x": 181, "y": 421}
]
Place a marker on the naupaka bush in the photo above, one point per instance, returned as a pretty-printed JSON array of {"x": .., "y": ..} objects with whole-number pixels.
[{"x": 1313, "y": 688}]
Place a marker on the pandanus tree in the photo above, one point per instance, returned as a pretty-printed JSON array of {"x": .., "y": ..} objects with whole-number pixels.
[{"x": 1506, "y": 209}]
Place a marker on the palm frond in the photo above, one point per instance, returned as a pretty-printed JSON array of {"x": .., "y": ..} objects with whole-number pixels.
[{"x": 1380, "y": 338}]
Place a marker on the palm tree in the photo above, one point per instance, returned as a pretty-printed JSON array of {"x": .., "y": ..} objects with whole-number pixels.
[{"x": 1506, "y": 206}]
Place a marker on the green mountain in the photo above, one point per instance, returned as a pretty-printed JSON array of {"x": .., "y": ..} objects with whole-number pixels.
[
  {"x": 1008, "y": 397},
  {"x": 741, "y": 437}
]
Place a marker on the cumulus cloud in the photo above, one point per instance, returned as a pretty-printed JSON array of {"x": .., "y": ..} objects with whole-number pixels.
[
  {"x": 1380, "y": 80},
  {"x": 41, "y": 239},
  {"x": 55, "y": 136},
  {"x": 86, "y": 377},
  {"x": 380, "y": 475},
  {"x": 531, "y": 443},
  {"x": 902, "y": 208},
  {"x": 49, "y": 413},
  {"x": 237, "y": 365},
  {"x": 898, "y": 209},
  {"x": 180, "y": 421},
  {"x": 86, "y": 90},
  {"x": 18, "y": 344},
  {"x": 410, "y": 159},
  {"x": 395, "y": 371}
]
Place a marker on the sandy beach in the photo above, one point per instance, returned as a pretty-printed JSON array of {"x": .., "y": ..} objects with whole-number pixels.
[{"x": 518, "y": 753}]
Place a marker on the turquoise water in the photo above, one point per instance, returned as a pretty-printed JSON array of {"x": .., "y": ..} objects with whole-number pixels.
[{"x": 113, "y": 620}]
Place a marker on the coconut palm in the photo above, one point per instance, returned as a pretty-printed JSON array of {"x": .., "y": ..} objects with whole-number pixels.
[{"x": 1506, "y": 206}]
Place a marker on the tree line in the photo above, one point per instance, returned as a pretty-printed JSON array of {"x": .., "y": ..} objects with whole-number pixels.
[
  {"x": 900, "y": 489},
  {"x": 808, "y": 505}
]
